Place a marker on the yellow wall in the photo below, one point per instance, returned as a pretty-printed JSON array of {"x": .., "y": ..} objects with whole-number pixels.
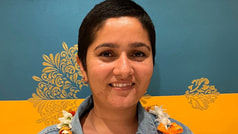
[{"x": 219, "y": 118}]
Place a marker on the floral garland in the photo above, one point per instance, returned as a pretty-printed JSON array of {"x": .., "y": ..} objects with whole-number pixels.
[
  {"x": 165, "y": 126},
  {"x": 65, "y": 122}
]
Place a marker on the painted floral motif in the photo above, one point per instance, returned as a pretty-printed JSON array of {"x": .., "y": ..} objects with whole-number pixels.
[
  {"x": 201, "y": 94},
  {"x": 61, "y": 78}
]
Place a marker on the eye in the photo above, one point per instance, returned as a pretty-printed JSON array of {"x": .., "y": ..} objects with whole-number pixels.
[
  {"x": 138, "y": 54},
  {"x": 106, "y": 54}
]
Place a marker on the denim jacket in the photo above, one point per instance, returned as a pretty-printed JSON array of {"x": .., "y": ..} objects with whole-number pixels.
[{"x": 146, "y": 121}]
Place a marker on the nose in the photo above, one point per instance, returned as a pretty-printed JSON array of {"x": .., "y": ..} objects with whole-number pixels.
[{"x": 123, "y": 67}]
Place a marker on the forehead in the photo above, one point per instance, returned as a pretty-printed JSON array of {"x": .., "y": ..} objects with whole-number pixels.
[
  {"x": 121, "y": 22},
  {"x": 122, "y": 29},
  {"x": 124, "y": 20}
]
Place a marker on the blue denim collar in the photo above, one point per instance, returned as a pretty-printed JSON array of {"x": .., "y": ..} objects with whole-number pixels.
[
  {"x": 84, "y": 107},
  {"x": 145, "y": 120}
]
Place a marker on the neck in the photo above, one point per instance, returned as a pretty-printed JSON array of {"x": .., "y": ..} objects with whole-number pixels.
[
  {"x": 115, "y": 114},
  {"x": 114, "y": 120}
]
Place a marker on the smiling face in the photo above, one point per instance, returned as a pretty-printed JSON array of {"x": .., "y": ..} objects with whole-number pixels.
[{"x": 119, "y": 63}]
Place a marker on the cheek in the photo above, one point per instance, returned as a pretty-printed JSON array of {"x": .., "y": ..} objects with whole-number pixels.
[
  {"x": 145, "y": 73},
  {"x": 98, "y": 72},
  {"x": 98, "y": 77}
]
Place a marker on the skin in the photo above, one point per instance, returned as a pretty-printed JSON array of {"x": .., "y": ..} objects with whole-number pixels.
[{"x": 119, "y": 69}]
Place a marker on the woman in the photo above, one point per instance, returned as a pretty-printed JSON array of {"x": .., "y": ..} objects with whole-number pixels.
[{"x": 116, "y": 50}]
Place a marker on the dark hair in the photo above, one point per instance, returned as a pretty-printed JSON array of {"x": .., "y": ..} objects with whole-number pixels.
[{"x": 111, "y": 9}]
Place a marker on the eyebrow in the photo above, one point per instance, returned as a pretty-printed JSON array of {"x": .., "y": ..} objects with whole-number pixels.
[
  {"x": 139, "y": 44},
  {"x": 107, "y": 45},
  {"x": 133, "y": 45}
]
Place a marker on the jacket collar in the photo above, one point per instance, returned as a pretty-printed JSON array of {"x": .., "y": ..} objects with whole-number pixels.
[{"x": 145, "y": 120}]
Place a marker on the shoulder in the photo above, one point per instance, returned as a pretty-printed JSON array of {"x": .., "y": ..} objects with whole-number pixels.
[
  {"x": 50, "y": 130},
  {"x": 186, "y": 130},
  {"x": 84, "y": 107}
]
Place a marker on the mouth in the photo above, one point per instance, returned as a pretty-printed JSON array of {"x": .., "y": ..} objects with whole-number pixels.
[{"x": 121, "y": 85}]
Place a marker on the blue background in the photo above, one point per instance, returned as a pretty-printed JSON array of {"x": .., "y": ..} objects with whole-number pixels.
[{"x": 195, "y": 39}]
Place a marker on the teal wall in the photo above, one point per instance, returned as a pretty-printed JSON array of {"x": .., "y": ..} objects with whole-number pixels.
[{"x": 194, "y": 39}]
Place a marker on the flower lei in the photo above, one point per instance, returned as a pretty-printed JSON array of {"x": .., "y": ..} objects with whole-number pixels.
[
  {"x": 65, "y": 122},
  {"x": 165, "y": 126}
]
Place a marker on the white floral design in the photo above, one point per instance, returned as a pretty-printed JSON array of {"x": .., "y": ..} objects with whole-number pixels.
[
  {"x": 162, "y": 117},
  {"x": 66, "y": 120}
]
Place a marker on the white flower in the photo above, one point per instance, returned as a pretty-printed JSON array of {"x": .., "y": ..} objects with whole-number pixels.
[
  {"x": 65, "y": 132},
  {"x": 161, "y": 116},
  {"x": 158, "y": 111},
  {"x": 66, "y": 120},
  {"x": 67, "y": 115},
  {"x": 165, "y": 121}
]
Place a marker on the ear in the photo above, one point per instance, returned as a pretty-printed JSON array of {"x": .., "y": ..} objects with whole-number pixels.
[{"x": 84, "y": 73}]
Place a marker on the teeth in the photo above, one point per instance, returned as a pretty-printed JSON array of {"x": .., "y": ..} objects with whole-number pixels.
[{"x": 121, "y": 84}]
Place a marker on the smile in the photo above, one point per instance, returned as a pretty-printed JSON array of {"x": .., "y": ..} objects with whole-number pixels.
[{"x": 121, "y": 85}]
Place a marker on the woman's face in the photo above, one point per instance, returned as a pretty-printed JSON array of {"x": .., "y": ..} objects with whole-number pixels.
[{"x": 119, "y": 63}]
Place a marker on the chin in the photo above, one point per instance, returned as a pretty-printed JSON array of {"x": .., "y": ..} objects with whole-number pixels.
[{"x": 121, "y": 102}]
